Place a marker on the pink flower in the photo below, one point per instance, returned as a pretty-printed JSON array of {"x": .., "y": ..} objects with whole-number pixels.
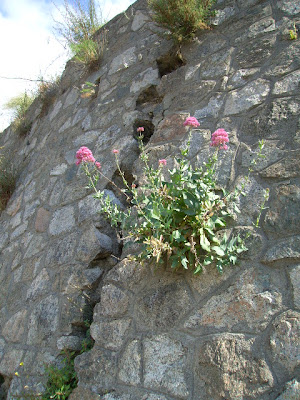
[
  {"x": 84, "y": 154},
  {"x": 162, "y": 162},
  {"x": 191, "y": 121},
  {"x": 133, "y": 185},
  {"x": 140, "y": 129},
  {"x": 98, "y": 165},
  {"x": 219, "y": 139},
  {"x": 115, "y": 151}
]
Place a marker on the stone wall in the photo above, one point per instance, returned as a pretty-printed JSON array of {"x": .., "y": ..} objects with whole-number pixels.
[{"x": 159, "y": 334}]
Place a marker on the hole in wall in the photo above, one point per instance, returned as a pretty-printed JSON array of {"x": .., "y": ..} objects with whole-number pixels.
[
  {"x": 170, "y": 62},
  {"x": 4, "y": 386},
  {"x": 148, "y": 129},
  {"x": 149, "y": 95}
]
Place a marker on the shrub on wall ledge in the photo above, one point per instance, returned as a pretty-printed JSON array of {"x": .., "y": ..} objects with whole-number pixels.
[
  {"x": 180, "y": 220},
  {"x": 7, "y": 181},
  {"x": 182, "y": 18}
]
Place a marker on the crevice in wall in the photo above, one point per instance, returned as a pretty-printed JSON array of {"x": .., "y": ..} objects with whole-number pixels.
[
  {"x": 5, "y": 382},
  {"x": 148, "y": 129},
  {"x": 170, "y": 62}
]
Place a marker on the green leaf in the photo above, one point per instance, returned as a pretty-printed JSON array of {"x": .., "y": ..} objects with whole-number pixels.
[
  {"x": 184, "y": 262},
  {"x": 204, "y": 242},
  {"x": 218, "y": 250}
]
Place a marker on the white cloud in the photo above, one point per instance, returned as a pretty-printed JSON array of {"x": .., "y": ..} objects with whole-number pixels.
[{"x": 28, "y": 47}]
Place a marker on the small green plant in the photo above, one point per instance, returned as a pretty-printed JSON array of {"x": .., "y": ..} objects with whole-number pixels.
[
  {"x": 181, "y": 220},
  {"x": 87, "y": 90},
  {"x": 7, "y": 181},
  {"x": 19, "y": 105},
  {"x": 182, "y": 18},
  {"x": 47, "y": 91},
  {"x": 293, "y": 33},
  {"x": 80, "y": 21},
  {"x": 61, "y": 380}
]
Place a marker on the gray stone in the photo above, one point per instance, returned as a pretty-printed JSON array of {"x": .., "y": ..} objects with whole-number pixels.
[
  {"x": 145, "y": 79},
  {"x": 91, "y": 277},
  {"x": 249, "y": 96},
  {"x": 84, "y": 139},
  {"x": 110, "y": 335},
  {"x": 10, "y": 361},
  {"x": 123, "y": 61},
  {"x": 93, "y": 243},
  {"x": 241, "y": 77},
  {"x": 165, "y": 365},
  {"x": 114, "y": 302},
  {"x": 130, "y": 364},
  {"x": 288, "y": 84},
  {"x": 72, "y": 343},
  {"x": 212, "y": 109},
  {"x": 62, "y": 221},
  {"x": 55, "y": 110},
  {"x": 14, "y": 328},
  {"x": 59, "y": 170},
  {"x": 291, "y": 392},
  {"x": 283, "y": 215},
  {"x": 229, "y": 368},
  {"x": 294, "y": 273},
  {"x": 289, "y": 7},
  {"x": 253, "y": 53},
  {"x": 284, "y": 341},
  {"x": 43, "y": 321},
  {"x": 248, "y": 304},
  {"x": 139, "y": 20},
  {"x": 40, "y": 286},
  {"x": 288, "y": 248},
  {"x": 217, "y": 65},
  {"x": 162, "y": 305},
  {"x": 223, "y": 15},
  {"x": 71, "y": 97}
]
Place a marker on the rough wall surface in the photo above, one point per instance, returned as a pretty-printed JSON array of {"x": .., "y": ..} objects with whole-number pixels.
[{"x": 160, "y": 335}]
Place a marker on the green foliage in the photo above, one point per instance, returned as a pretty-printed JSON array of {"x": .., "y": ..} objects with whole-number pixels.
[
  {"x": 87, "y": 90},
  {"x": 7, "y": 181},
  {"x": 20, "y": 104},
  {"x": 47, "y": 91},
  {"x": 293, "y": 33},
  {"x": 180, "y": 220},
  {"x": 182, "y": 18},
  {"x": 61, "y": 381},
  {"x": 86, "y": 52},
  {"x": 80, "y": 21}
]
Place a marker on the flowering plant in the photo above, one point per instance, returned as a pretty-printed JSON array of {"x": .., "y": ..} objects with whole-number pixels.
[{"x": 181, "y": 219}]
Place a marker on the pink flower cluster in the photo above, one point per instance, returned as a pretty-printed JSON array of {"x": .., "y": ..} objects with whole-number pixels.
[
  {"x": 219, "y": 139},
  {"x": 191, "y": 121},
  {"x": 162, "y": 162},
  {"x": 84, "y": 154}
]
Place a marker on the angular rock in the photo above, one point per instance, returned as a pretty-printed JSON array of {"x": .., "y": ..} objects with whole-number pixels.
[
  {"x": 130, "y": 364},
  {"x": 14, "y": 328},
  {"x": 288, "y": 84},
  {"x": 229, "y": 367},
  {"x": 145, "y": 79},
  {"x": 249, "y": 96},
  {"x": 72, "y": 343},
  {"x": 284, "y": 341},
  {"x": 82, "y": 393},
  {"x": 162, "y": 306},
  {"x": 123, "y": 61},
  {"x": 40, "y": 286},
  {"x": 110, "y": 335},
  {"x": 165, "y": 365},
  {"x": 43, "y": 321},
  {"x": 294, "y": 273},
  {"x": 249, "y": 303},
  {"x": 63, "y": 220},
  {"x": 114, "y": 302},
  {"x": 291, "y": 392},
  {"x": 283, "y": 215},
  {"x": 11, "y": 361},
  {"x": 285, "y": 249},
  {"x": 93, "y": 243},
  {"x": 139, "y": 20},
  {"x": 170, "y": 128}
]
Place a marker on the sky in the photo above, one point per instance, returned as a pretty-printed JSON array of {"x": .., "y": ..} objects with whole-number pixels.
[{"x": 29, "y": 48}]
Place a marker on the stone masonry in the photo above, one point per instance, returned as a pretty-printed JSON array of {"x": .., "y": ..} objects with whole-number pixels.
[{"x": 159, "y": 334}]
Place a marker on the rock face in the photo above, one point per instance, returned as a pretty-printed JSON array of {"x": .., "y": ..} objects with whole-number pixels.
[{"x": 159, "y": 334}]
